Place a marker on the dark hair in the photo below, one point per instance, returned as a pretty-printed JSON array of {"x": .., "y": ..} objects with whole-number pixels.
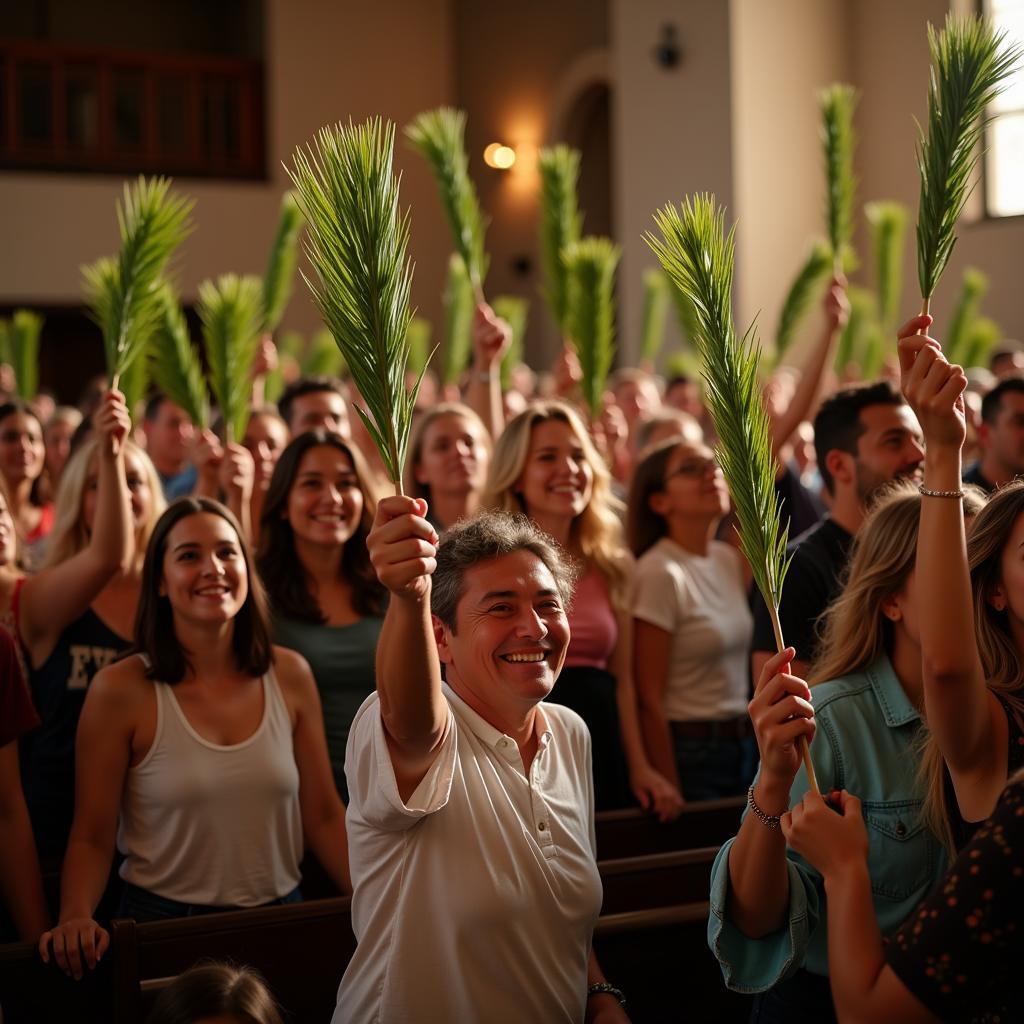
[
  {"x": 153, "y": 403},
  {"x": 992, "y": 402},
  {"x": 9, "y": 408},
  {"x": 306, "y": 386},
  {"x": 644, "y": 527},
  {"x": 490, "y": 535},
  {"x": 838, "y": 424},
  {"x": 215, "y": 990},
  {"x": 290, "y": 589},
  {"x": 154, "y": 621}
]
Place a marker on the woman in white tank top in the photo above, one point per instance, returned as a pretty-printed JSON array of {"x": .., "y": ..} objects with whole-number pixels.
[{"x": 208, "y": 744}]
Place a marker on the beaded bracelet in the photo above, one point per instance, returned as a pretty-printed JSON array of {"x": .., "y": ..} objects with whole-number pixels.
[
  {"x": 768, "y": 820},
  {"x": 928, "y": 493},
  {"x": 603, "y": 988}
]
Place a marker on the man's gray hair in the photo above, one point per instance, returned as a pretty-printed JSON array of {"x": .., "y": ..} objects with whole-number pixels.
[{"x": 490, "y": 535}]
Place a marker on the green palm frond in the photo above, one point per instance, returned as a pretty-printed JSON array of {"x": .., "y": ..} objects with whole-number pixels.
[
  {"x": 591, "y": 263},
  {"x": 135, "y": 381},
  {"x": 231, "y": 313},
  {"x": 176, "y": 367},
  {"x": 853, "y": 339},
  {"x": 322, "y": 357},
  {"x": 561, "y": 224},
  {"x": 872, "y": 353},
  {"x": 122, "y": 294},
  {"x": 837, "y": 104},
  {"x": 357, "y": 240},
  {"x": 888, "y": 222},
  {"x": 277, "y": 281},
  {"x": 652, "y": 325},
  {"x": 289, "y": 352},
  {"x": 515, "y": 311},
  {"x": 806, "y": 287},
  {"x": 970, "y": 64},
  {"x": 418, "y": 336},
  {"x": 965, "y": 313},
  {"x": 984, "y": 335},
  {"x": 698, "y": 256},
  {"x": 686, "y": 317},
  {"x": 459, "y": 303},
  {"x": 439, "y": 136},
  {"x": 23, "y": 334}
]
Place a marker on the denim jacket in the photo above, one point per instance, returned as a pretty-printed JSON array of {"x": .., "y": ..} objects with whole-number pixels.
[{"x": 865, "y": 744}]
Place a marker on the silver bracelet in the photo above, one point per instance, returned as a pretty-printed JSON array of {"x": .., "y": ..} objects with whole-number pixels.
[
  {"x": 768, "y": 820},
  {"x": 928, "y": 493},
  {"x": 603, "y": 988}
]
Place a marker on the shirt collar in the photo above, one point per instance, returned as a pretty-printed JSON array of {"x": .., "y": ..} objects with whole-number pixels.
[
  {"x": 505, "y": 746},
  {"x": 893, "y": 700}
]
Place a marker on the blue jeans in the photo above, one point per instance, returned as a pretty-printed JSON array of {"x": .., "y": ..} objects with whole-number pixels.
[
  {"x": 143, "y": 905},
  {"x": 710, "y": 769}
]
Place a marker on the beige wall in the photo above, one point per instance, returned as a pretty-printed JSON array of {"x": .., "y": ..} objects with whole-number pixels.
[{"x": 326, "y": 61}]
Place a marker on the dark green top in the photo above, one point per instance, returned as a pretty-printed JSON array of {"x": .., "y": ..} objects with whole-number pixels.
[{"x": 342, "y": 660}]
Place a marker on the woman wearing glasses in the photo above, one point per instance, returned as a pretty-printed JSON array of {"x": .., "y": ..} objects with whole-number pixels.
[{"x": 692, "y": 624}]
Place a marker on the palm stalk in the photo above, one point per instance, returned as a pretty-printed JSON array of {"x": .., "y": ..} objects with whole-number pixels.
[
  {"x": 277, "y": 281},
  {"x": 965, "y": 313},
  {"x": 356, "y": 241},
  {"x": 515, "y": 311},
  {"x": 231, "y": 312},
  {"x": 23, "y": 338},
  {"x": 440, "y": 138},
  {"x": 837, "y": 104},
  {"x": 591, "y": 263},
  {"x": 122, "y": 292},
  {"x": 458, "y": 305},
  {"x": 176, "y": 367},
  {"x": 561, "y": 223},
  {"x": 698, "y": 256},
  {"x": 801, "y": 295},
  {"x": 888, "y": 222},
  {"x": 655, "y": 311},
  {"x": 970, "y": 64}
]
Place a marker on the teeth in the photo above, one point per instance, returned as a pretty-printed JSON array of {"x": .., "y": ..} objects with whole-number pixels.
[{"x": 539, "y": 656}]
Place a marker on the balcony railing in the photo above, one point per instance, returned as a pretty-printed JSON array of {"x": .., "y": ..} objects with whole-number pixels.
[{"x": 69, "y": 108}]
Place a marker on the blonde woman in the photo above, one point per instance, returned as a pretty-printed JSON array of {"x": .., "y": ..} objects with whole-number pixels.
[
  {"x": 546, "y": 466},
  {"x": 767, "y": 904},
  {"x": 76, "y": 614},
  {"x": 974, "y": 684}
]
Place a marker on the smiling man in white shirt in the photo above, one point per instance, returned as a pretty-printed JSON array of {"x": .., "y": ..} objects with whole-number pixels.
[{"x": 471, "y": 822}]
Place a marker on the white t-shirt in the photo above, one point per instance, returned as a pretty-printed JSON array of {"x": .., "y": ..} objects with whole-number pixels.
[
  {"x": 476, "y": 900},
  {"x": 702, "y": 603}
]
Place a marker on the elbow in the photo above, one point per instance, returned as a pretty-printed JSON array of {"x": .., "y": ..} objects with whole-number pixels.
[{"x": 944, "y": 671}]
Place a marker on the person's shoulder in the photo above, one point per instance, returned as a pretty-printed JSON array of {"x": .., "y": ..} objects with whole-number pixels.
[
  {"x": 850, "y": 687},
  {"x": 292, "y": 670},
  {"x": 122, "y": 683},
  {"x": 564, "y": 721}
]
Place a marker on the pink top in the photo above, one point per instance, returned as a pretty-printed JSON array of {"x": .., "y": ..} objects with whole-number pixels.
[{"x": 592, "y": 621}]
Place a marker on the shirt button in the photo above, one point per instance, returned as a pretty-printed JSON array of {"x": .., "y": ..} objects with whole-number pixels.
[
  {"x": 542, "y": 826},
  {"x": 502, "y": 743},
  {"x": 901, "y": 829}
]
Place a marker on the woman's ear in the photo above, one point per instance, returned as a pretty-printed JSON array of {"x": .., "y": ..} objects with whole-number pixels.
[
  {"x": 891, "y": 608},
  {"x": 997, "y": 598},
  {"x": 658, "y": 503}
]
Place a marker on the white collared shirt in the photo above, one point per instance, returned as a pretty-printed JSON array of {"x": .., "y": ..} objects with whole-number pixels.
[{"x": 476, "y": 900}]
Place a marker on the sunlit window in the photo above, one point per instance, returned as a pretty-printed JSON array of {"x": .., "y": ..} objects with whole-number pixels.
[{"x": 1004, "y": 161}]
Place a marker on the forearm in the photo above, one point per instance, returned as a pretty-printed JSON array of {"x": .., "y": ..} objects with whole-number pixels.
[
  {"x": 657, "y": 742},
  {"x": 327, "y": 838},
  {"x": 113, "y": 538},
  {"x": 20, "y": 878},
  {"x": 483, "y": 396},
  {"x": 758, "y": 875},
  {"x": 808, "y": 389},
  {"x": 83, "y": 877},
  {"x": 238, "y": 504}
]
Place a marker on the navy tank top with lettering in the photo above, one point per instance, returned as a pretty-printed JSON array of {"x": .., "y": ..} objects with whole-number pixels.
[{"x": 48, "y": 753}]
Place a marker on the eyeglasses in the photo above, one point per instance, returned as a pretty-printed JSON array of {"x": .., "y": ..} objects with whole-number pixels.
[{"x": 694, "y": 468}]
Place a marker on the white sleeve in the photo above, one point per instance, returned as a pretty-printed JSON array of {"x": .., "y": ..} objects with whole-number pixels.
[
  {"x": 656, "y": 594},
  {"x": 373, "y": 790}
]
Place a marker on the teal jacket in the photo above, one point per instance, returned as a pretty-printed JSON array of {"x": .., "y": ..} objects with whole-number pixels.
[{"x": 865, "y": 744}]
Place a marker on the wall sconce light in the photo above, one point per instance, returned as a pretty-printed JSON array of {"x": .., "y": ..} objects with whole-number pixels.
[{"x": 499, "y": 156}]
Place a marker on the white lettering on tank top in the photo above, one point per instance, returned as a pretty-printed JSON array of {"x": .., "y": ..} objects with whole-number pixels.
[{"x": 84, "y": 655}]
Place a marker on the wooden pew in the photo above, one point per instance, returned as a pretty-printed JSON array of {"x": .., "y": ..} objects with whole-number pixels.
[
  {"x": 301, "y": 949},
  {"x": 657, "y": 880},
  {"x": 633, "y": 832}
]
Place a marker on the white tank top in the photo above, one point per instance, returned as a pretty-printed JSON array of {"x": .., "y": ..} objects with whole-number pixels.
[{"x": 209, "y": 824}]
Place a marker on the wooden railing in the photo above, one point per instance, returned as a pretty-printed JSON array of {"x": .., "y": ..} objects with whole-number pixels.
[{"x": 72, "y": 108}]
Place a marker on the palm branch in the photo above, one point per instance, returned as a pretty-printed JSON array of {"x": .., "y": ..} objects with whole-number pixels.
[
  {"x": 357, "y": 240},
  {"x": 698, "y": 256},
  {"x": 652, "y": 325},
  {"x": 176, "y": 367},
  {"x": 289, "y": 351},
  {"x": 515, "y": 311},
  {"x": 591, "y": 264},
  {"x": 970, "y": 64},
  {"x": 23, "y": 334},
  {"x": 322, "y": 357},
  {"x": 418, "y": 336},
  {"x": 561, "y": 223},
  {"x": 122, "y": 292},
  {"x": 888, "y": 222},
  {"x": 440, "y": 138},
  {"x": 965, "y": 312},
  {"x": 459, "y": 302},
  {"x": 685, "y": 316},
  {"x": 837, "y": 104},
  {"x": 801, "y": 295},
  {"x": 277, "y": 281},
  {"x": 231, "y": 313},
  {"x": 134, "y": 383},
  {"x": 983, "y": 337},
  {"x": 853, "y": 339}
]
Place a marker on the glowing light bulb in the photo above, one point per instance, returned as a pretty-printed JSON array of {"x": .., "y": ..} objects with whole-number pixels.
[{"x": 499, "y": 156}]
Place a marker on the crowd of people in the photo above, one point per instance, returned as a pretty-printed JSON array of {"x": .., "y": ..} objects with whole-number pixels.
[{"x": 218, "y": 657}]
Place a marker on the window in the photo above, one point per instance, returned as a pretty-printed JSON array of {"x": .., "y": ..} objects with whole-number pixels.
[{"x": 1004, "y": 161}]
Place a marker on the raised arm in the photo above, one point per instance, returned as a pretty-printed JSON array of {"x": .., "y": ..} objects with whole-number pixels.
[
  {"x": 403, "y": 546},
  {"x": 55, "y": 597},
  {"x": 967, "y": 721},
  {"x": 491, "y": 339},
  {"x": 237, "y": 476}
]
